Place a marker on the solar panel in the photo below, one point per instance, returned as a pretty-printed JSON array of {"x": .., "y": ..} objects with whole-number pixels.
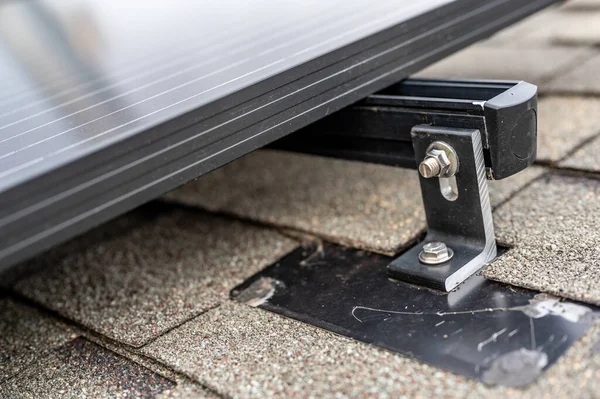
[{"x": 105, "y": 105}]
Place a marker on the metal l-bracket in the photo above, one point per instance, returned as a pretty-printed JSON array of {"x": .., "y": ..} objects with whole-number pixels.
[{"x": 464, "y": 222}]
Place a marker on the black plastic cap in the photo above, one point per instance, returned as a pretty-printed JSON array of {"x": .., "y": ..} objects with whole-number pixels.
[{"x": 511, "y": 119}]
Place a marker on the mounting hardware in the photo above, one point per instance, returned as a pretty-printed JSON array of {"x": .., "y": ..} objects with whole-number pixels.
[
  {"x": 377, "y": 129},
  {"x": 430, "y": 167},
  {"x": 435, "y": 253},
  {"x": 490, "y": 126},
  {"x": 440, "y": 161},
  {"x": 465, "y": 224}
]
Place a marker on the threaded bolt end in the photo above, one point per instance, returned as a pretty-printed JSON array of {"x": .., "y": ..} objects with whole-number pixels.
[{"x": 430, "y": 167}]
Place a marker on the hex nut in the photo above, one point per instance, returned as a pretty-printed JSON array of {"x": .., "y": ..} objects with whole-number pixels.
[
  {"x": 440, "y": 161},
  {"x": 434, "y": 253}
]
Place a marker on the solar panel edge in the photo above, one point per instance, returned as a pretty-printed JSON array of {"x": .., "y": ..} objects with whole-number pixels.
[{"x": 402, "y": 73}]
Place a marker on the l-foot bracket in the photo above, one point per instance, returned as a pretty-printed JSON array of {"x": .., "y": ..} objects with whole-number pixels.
[
  {"x": 460, "y": 238},
  {"x": 458, "y": 133}
]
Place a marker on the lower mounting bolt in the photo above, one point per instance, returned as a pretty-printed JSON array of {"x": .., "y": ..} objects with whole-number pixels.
[{"x": 434, "y": 253}]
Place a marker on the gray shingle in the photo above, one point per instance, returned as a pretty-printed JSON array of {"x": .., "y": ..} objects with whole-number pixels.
[
  {"x": 580, "y": 80},
  {"x": 137, "y": 285},
  {"x": 132, "y": 354},
  {"x": 187, "y": 391},
  {"x": 554, "y": 226},
  {"x": 586, "y": 158},
  {"x": 250, "y": 353},
  {"x": 577, "y": 29},
  {"x": 581, "y": 5},
  {"x": 246, "y": 352},
  {"x": 564, "y": 123},
  {"x": 26, "y": 334},
  {"x": 82, "y": 369},
  {"x": 535, "y": 31},
  {"x": 553, "y": 27},
  {"x": 535, "y": 65},
  {"x": 503, "y": 190},
  {"x": 367, "y": 206}
]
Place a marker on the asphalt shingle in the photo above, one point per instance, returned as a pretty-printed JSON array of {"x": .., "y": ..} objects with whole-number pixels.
[
  {"x": 564, "y": 123},
  {"x": 187, "y": 391},
  {"x": 534, "y": 31},
  {"x": 554, "y": 226},
  {"x": 536, "y": 65},
  {"x": 503, "y": 190},
  {"x": 577, "y": 29},
  {"x": 586, "y": 158},
  {"x": 552, "y": 27},
  {"x": 137, "y": 285},
  {"x": 245, "y": 352},
  {"x": 581, "y": 5},
  {"x": 580, "y": 80},
  {"x": 132, "y": 354},
  {"x": 373, "y": 207},
  {"x": 82, "y": 369},
  {"x": 26, "y": 334},
  {"x": 250, "y": 353}
]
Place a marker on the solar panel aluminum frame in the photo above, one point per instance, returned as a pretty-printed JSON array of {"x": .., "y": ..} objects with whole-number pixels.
[{"x": 115, "y": 177}]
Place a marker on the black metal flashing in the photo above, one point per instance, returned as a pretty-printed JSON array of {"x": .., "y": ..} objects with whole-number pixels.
[{"x": 484, "y": 330}]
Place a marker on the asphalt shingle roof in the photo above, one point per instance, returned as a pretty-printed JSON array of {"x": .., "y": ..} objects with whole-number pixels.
[
  {"x": 140, "y": 308},
  {"x": 351, "y": 203},
  {"x": 554, "y": 228},
  {"x": 135, "y": 286}
]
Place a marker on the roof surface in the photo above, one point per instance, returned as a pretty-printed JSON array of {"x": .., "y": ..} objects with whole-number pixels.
[{"x": 139, "y": 307}]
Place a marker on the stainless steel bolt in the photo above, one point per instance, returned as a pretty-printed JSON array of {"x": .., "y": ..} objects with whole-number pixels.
[
  {"x": 434, "y": 253},
  {"x": 440, "y": 161},
  {"x": 430, "y": 167}
]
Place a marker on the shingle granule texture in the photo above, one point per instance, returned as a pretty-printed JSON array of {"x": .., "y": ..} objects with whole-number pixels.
[
  {"x": 586, "y": 158},
  {"x": 81, "y": 369},
  {"x": 245, "y": 352},
  {"x": 580, "y": 80},
  {"x": 534, "y": 31},
  {"x": 250, "y": 353},
  {"x": 137, "y": 285},
  {"x": 536, "y": 65},
  {"x": 130, "y": 353},
  {"x": 187, "y": 391},
  {"x": 553, "y": 27},
  {"x": 580, "y": 6},
  {"x": 503, "y": 190},
  {"x": 577, "y": 29},
  {"x": 367, "y": 206},
  {"x": 564, "y": 123},
  {"x": 26, "y": 334},
  {"x": 554, "y": 226}
]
